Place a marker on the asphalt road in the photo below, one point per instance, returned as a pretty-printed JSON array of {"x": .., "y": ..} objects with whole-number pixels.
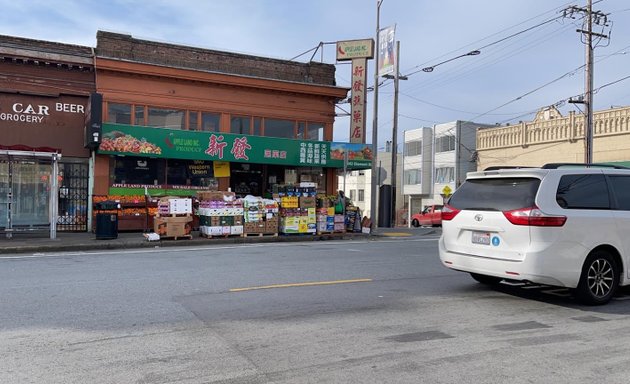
[{"x": 364, "y": 311}]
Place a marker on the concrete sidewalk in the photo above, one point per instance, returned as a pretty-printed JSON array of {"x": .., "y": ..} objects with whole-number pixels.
[{"x": 86, "y": 241}]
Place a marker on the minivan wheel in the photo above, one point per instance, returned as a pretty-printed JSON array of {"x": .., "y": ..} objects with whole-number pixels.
[
  {"x": 415, "y": 223},
  {"x": 599, "y": 279},
  {"x": 485, "y": 279}
]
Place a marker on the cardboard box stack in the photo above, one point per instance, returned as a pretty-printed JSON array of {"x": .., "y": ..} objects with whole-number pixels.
[
  {"x": 297, "y": 209},
  {"x": 261, "y": 215},
  {"x": 173, "y": 218},
  {"x": 325, "y": 219},
  {"x": 220, "y": 214}
]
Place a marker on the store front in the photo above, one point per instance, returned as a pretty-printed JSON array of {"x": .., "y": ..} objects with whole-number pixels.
[
  {"x": 144, "y": 160},
  {"x": 42, "y": 150}
]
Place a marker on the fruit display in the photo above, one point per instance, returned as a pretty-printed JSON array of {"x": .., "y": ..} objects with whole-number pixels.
[{"x": 117, "y": 141}]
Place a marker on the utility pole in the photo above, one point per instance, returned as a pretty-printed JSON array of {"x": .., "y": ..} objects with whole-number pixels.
[
  {"x": 588, "y": 86},
  {"x": 373, "y": 196},
  {"x": 394, "y": 148},
  {"x": 600, "y": 19}
]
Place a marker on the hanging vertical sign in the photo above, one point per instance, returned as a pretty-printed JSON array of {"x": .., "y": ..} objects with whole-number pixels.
[
  {"x": 386, "y": 53},
  {"x": 358, "y": 51}
]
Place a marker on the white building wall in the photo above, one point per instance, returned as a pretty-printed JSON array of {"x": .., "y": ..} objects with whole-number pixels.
[{"x": 356, "y": 180}]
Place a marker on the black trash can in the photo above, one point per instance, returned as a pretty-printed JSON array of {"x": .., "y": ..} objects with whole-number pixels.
[
  {"x": 106, "y": 222},
  {"x": 106, "y": 226}
]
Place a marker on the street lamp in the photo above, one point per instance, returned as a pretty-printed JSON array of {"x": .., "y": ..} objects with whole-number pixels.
[
  {"x": 375, "y": 128},
  {"x": 471, "y": 53}
]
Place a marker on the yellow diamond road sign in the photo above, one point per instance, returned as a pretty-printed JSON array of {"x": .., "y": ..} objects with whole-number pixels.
[{"x": 447, "y": 191}]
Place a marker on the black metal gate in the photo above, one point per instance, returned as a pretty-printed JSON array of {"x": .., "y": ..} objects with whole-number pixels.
[{"x": 73, "y": 197}]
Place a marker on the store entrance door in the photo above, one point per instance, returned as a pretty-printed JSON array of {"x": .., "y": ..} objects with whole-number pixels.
[
  {"x": 73, "y": 197},
  {"x": 24, "y": 193},
  {"x": 246, "y": 179},
  {"x": 5, "y": 193}
]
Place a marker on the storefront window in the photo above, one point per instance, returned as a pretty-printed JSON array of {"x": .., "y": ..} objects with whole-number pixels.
[
  {"x": 138, "y": 170},
  {"x": 31, "y": 193},
  {"x": 246, "y": 179},
  {"x": 139, "y": 114},
  {"x": 165, "y": 118},
  {"x": 210, "y": 122},
  {"x": 314, "y": 175},
  {"x": 257, "y": 126},
  {"x": 118, "y": 113},
  {"x": 190, "y": 172},
  {"x": 315, "y": 131},
  {"x": 193, "y": 119},
  {"x": 280, "y": 128},
  {"x": 239, "y": 125},
  {"x": 301, "y": 130}
]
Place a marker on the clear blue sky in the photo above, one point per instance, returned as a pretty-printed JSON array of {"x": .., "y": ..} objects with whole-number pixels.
[{"x": 469, "y": 88}]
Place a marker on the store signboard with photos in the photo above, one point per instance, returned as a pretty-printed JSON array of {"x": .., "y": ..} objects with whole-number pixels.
[{"x": 129, "y": 140}]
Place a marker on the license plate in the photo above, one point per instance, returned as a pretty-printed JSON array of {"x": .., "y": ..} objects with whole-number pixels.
[{"x": 481, "y": 238}]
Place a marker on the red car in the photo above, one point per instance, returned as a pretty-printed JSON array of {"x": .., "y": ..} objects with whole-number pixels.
[{"x": 431, "y": 215}]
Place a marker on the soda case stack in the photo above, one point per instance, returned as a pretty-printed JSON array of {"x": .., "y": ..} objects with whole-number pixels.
[
  {"x": 173, "y": 218},
  {"x": 261, "y": 215},
  {"x": 297, "y": 209},
  {"x": 220, "y": 214},
  {"x": 325, "y": 218}
]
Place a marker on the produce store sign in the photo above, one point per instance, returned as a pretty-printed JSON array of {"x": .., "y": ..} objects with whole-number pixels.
[{"x": 214, "y": 146}]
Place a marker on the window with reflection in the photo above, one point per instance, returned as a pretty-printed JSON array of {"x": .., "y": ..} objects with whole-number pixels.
[
  {"x": 137, "y": 170},
  {"x": 280, "y": 128},
  {"x": 190, "y": 172},
  {"x": 240, "y": 125},
  {"x": 193, "y": 120},
  {"x": 257, "y": 126},
  {"x": 138, "y": 115},
  {"x": 118, "y": 113},
  {"x": 315, "y": 131},
  {"x": 165, "y": 118},
  {"x": 210, "y": 122}
]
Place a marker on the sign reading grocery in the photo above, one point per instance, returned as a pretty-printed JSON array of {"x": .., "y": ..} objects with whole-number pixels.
[{"x": 121, "y": 139}]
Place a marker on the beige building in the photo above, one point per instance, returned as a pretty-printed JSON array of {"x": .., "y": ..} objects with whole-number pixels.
[{"x": 553, "y": 138}]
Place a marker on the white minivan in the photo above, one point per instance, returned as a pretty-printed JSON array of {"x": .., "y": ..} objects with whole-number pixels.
[{"x": 562, "y": 225}]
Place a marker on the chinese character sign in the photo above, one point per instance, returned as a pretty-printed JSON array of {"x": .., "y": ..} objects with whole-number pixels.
[{"x": 357, "y": 99}]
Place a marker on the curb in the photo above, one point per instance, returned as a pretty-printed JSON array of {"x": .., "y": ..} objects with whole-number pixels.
[{"x": 103, "y": 245}]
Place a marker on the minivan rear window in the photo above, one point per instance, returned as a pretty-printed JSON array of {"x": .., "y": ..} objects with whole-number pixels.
[{"x": 495, "y": 194}]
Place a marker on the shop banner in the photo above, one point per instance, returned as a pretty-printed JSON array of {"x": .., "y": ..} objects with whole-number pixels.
[{"x": 119, "y": 139}]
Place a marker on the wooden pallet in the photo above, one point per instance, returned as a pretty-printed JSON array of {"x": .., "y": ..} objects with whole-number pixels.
[
  {"x": 173, "y": 215},
  {"x": 181, "y": 237},
  {"x": 218, "y": 236},
  {"x": 263, "y": 234}
]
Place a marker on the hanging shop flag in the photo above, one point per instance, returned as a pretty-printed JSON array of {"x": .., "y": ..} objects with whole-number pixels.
[{"x": 386, "y": 53}]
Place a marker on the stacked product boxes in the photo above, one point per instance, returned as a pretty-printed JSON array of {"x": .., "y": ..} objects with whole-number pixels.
[
  {"x": 173, "y": 218},
  {"x": 297, "y": 209},
  {"x": 261, "y": 216},
  {"x": 220, "y": 214}
]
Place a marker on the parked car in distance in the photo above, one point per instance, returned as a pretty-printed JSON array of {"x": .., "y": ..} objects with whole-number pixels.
[
  {"x": 431, "y": 215},
  {"x": 561, "y": 224}
]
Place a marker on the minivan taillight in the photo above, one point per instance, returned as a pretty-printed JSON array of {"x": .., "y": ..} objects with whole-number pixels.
[
  {"x": 448, "y": 212},
  {"x": 533, "y": 216}
]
